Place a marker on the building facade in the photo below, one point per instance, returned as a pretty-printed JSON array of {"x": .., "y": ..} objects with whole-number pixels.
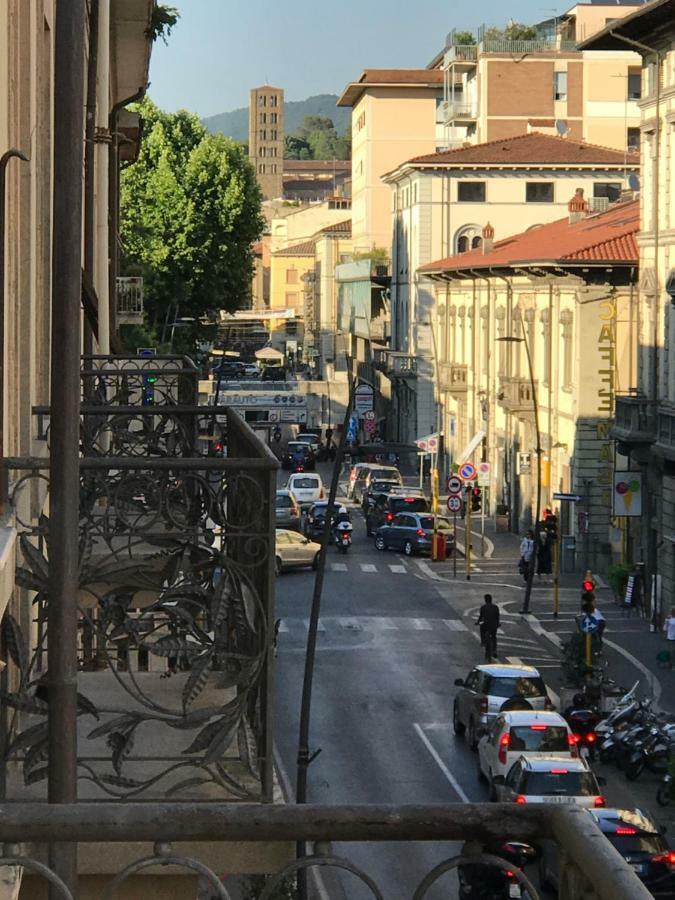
[{"x": 266, "y": 138}]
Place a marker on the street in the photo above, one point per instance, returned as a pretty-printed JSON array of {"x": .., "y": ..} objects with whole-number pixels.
[{"x": 394, "y": 634}]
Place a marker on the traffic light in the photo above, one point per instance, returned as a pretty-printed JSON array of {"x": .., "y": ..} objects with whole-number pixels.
[
  {"x": 476, "y": 499},
  {"x": 551, "y": 526},
  {"x": 149, "y": 382},
  {"x": 587, "y": 589}
]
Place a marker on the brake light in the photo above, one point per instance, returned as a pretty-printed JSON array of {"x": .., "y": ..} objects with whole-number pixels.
[
  {"x": 599, "y": 801},
  {"x": 390, "y": 517},
  {"x": 409, "y": 499},
  {"x": 538, "y": 727},
  {"x": 483, "y": 706},
  {"x": 520, "y": 799},
  {"x": 420, "y": 532},
  {"x": 667, "y": 858},
  {"x": 590, "y": 737},
  {"x": 559, "y": 771},
  {"x": 572, "y": 740},
  {"x": 345, "y": 538},
  {"x": 509, "y": 873},
  {"x": 503, "y": 748},
  {"x": 626, "y": 831}
]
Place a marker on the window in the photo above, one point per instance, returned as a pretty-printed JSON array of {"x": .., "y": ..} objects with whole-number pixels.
[
  {"x": 263, "y": 118},
  {"x": 261, "y": 100},
  {"x": 273, "y": 118},
  {"x": 273, "y": 100},
  {"x": 291, "y": 300},
  {"x": 633, "y": 138},
  {"x": 462, "y": 243},
  {"x": 291, "y": 276},
  {"x": 471, "y": 192},
  {"x": 539, "y": 192},
  {"x": 476, "y": 242},
  {"x": 609, "y": 189},
  {"x": 261, "y": 169},
  {"x": 273, "y": 134},
  {"x": 634, "y": 84},
  {"x": 560, "y": 85}
]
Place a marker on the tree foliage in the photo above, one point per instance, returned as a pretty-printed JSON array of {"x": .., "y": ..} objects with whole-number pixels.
[
  {"x": 190, "y": 212},
  {"x": 512, "y": 31},
  {"x": 464, "y": 38},
  {"x": 162, "y": 22},
  {"x": 317, "y": 138}
]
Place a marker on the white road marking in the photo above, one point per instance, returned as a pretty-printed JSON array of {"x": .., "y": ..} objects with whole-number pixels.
[
  {"x": 522, "y": 642},
  {"x": 421, "y": 624},
  {"x": 455, "y": 625},
  {"x": 397, "y": 570},
  {"x": 368, "y": 567},
  {"x": 388, "y": 625},
  {"x": 283, "y": 627},
  {"x": 514, "y": 660},
  {"x": 426, "y": 569},
  {"x": 349, "y": 623},
  {"x": 338, "y": 567},
  {"x": 441, "y": 765}
]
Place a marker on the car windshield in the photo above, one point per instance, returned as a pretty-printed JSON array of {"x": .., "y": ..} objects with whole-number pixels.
[
  {"x": 507, "y": 687},
  {"x": 568, "y": 784},
  {"x": 306, "y": 483},
  {"x": 306, "y": 438},
  {"x": 382, "y": 487},
  {"x": 284, "y": 501},
  {"x": 411, "y": 504},
  {"x": 427, "y": 522},
  {"x": 539, "y": 739},
  {"x": 294, "y": 446},
  {"x": 385, "y": 475}
]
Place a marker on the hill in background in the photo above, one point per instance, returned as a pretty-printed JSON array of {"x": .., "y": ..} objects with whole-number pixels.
[{"x": 234, "y": 124}]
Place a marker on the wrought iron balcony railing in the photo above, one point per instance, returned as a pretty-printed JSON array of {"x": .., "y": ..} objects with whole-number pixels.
[
  {"x": 395, "y": 364},
  {"x": 129, "y": 300},
  {"x": 665, "y": 432},
  {"x": 634, "y": 419}
]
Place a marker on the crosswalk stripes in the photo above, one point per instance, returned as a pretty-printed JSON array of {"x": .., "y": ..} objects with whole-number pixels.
[
  {"x": 371, "y": 624},
  {"x": 455, "y": 625},
  {"x": 338, "y": 567},
  {"x": 397, "y": 570},
  {"x": 368, "y": 567},
  {"x": 421, "y": 624}
]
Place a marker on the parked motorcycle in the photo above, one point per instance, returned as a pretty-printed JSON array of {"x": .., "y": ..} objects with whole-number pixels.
[{"x": 653, "y": 752}]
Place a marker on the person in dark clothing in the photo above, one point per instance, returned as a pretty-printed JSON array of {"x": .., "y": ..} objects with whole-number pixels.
[{"x": 488, "y": 619}]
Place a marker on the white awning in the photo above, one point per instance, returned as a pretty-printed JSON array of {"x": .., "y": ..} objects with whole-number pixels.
[
  {"x": 269, "y": 353},
  {"x": 470, "y": 447}
]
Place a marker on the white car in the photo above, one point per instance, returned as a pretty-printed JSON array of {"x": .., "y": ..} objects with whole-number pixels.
[
  {"x": 353, "y": 475},
  {"x": 307, "y": 488},
  {"x": 528, "y": 733},
  {"x": 294, "y": 551},
  {"x": 550, "y": 780},
  {"x": 311, "y": 439}
]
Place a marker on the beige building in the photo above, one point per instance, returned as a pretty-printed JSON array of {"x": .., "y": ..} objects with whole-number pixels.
[
  {"x": 294, "y": 226},
  {"x": 266, "y": 138},
  {"x": 441, "y": 203},
  {"x": 396, "y": 114},
  {"x": 495, "y": 89},
  {"x": 645, "y": 418},
  {"x": 568, "y": 289}
]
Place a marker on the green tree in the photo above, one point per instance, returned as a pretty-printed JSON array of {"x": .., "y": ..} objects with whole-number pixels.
[
  {"x": 463, "y": 38},
  {"x": 295, "y": 147},
  {"x": 513, "y": 31}
]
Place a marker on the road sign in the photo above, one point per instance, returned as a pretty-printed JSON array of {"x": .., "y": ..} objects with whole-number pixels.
[
  {"x": 429, "y": 443},
  {"x": 454, "y": 484},
  {"x": 370, "y": 426},
  {"x": 363, "y": 399},
  {"x": 467, "y": 472},
  {"x": 569, "y": 498},
  {"x": 369, "y": 416},
  {"x": 352, "y": 428},
  {"x": 454, "y": 504},
  {"x": 483, "y": 474},
  {"x": 589, "y": 624}
]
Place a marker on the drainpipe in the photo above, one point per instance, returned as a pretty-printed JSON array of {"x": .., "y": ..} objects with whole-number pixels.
[
  {"x": 90, "y": 130},
  {"x": 102, "y": 140}
]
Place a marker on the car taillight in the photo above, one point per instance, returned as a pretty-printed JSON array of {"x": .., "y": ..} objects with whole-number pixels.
[
  {"x": 390, "y": 517},
  {"x": 503, "y": 748},
  {"x": 520, "y": 799},
  {"x": 626, "y": 831},
  {"x": 599, "y": 801},
  {"x": 558, "y": 771},
  {"x": 572, "y": 740},
  {"x": 420, "y": 532},
  {"x": 591, "y": 737},
  {"x": 483, "y": 706},
  {"x": 667, "y": 859}
]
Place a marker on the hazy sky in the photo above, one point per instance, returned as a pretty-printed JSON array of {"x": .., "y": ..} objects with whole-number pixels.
[{"x": 221, "y": 48}]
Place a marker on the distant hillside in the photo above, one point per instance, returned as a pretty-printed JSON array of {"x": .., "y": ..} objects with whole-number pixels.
[{"x": 234, "y": 124}]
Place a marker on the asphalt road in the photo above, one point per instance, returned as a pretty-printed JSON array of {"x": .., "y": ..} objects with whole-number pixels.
[{"x": 394, "y": 634}]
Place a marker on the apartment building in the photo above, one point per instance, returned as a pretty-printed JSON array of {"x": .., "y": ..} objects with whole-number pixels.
[
  {"x": 442, "y": 202},
  {"x": 561, "y": 297},
  {"x": 498, "y": 88},
  {"x": 266, "y": 138},
  {"x": 644, "y": 429}
]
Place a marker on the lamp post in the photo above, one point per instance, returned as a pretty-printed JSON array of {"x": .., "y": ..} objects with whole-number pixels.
[
  {"x": 4, "y": 160},
  {"x": 535, "y": 409}
]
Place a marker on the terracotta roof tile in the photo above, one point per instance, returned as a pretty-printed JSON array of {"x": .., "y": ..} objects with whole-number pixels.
[
  {"x": 317, "y": 165},
  {"x": 607, "y": 237},
  {"x": 401, "y": 76},
  {"x": 306, "y": 248},
  {"x": 339, "y": 228},
  {"x": 530, "y": 149}
]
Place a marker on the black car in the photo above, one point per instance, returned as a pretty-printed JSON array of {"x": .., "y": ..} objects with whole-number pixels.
[
  {"x": 315, "y": 519},
  {"x": 387, "y": 504},
  {"x": 412, "y": 533},
  {"x": 375, "y": 490},
  {"x": 296, "y": 453},
  {"x": 638, "y": 839},
  {"x": 274, "y": 373},
  {"x": 229, "y": 370}
]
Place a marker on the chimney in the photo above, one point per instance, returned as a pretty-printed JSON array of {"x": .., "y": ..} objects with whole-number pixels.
[
  {"x": 578, "y": 207},
  {"x": 488, "y": 238}
]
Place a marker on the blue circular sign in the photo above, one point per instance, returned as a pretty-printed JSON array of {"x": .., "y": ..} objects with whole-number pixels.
[
  {"x": 589, "y": 624},
  {"x": 467, "y": 471}
]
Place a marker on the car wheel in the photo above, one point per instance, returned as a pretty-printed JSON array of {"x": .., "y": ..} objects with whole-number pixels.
[
  {"x": 278, "y": 568},
  {"x": 472, "y": 738},
  {"x": 457, "y": 724},
  {"x": 315, "y": 561},
  {"x": 379, "y": 543},
  {"x": 408, "y": 548},
  {"x": 492, "y": 790}
]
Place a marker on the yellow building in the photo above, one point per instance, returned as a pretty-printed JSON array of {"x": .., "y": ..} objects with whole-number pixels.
[{"x": 565, "y": 292}]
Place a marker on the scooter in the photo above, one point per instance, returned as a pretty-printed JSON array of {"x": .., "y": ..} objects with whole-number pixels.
[
  {"x": 343, "y": 536},
  {"x": 583, "y": 722},
  {"x": 485, "y": 882},
  {"x": 666, "y": 792}
]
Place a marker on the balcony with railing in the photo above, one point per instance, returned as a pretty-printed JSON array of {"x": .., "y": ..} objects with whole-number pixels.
[
  {"x": 462, "y": 54},
  {"x": 665, "y": 432},
  {"x": 453, "y": 377},
  {"x": 516, "y": 397},
  {"x": 634, "y": 420},
  {"x": 129, "y": 300},
  {"x": 395, "y": 364},
  {"x": 459, "y": 111}
]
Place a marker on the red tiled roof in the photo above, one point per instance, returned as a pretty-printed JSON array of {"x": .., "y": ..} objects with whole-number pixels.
[
  {"x": 339, "y": 228},
  {"x": 389, "y": 77},
  {"x": 534, "y": 148},
  {"x": 608, "y": 237},
  {"x": 306, "y": 248}
]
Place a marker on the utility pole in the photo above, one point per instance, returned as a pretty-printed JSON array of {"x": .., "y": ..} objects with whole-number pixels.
[{"x": 69, "y": 103}]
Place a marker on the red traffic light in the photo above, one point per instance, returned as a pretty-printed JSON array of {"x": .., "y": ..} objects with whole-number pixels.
[
  {"x": 475, "y": 492},
  {"x": 587, "y": 586}
]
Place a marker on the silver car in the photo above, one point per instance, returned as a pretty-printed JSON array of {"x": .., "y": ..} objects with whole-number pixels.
[
  {"x": 487, "y": 688},
  {"x": 287, "y": 510}
]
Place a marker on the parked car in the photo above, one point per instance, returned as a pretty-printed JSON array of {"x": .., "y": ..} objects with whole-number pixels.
[
  {"x": 353, "y": 475},
  {"x": 229, "y": 370},
  {"x": 251, "y": 370},
  {"x": 297, "y": 452},
  {"x": 287, "y": 509},
  {"x": 387, "y": 504},
  {"x": 637, "y": 838},
  {"x": 485, "y": 690},
  {"x": 274, "y": 373},
  {"x": 307, "y": 487},
  {"x": 550, "y": 780},
  {"x": 530, "y": 733},
  {"x": 314, "y": 520},
  {"x": 412, "y": 533},
  {"x": 294, "y": 551},
  {"x": 374, "y": 472}
]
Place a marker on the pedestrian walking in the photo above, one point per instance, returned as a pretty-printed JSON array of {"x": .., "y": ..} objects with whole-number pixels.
[
  {"x": 526, "y": 554},
  {"x": 544, "y": 555},
  {"x": 488, "y": 620}
]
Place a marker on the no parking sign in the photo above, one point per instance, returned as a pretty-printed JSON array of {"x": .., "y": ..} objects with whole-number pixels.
[{"x": 467, "y": 471}]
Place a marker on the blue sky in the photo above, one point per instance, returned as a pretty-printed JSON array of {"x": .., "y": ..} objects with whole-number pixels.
[{"x": 306, "y": 46}]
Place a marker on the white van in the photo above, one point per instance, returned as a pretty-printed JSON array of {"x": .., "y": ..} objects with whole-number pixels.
[{"x": 307, "y": 487}]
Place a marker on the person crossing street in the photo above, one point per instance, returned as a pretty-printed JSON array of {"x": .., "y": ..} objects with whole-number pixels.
[{"x": 488, "y": 619}]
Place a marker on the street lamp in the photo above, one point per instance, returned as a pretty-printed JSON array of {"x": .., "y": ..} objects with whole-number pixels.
[
  {"x": 4, "y": 159},
  {"x": 535, "y": 408}
]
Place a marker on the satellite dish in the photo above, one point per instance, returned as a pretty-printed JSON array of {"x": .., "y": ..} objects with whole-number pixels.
[
  {"x": 561, "y": 127},
  {"x": 633, "y": 182}
]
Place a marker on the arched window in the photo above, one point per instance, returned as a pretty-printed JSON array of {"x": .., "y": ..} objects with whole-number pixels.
[
  {"x": 462, "y": 244},
  {"x": 476, "y": 241},
  {"x": 468, "y": 237}
]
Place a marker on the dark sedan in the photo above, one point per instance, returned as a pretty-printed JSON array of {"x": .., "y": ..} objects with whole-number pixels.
[
  {"x": 412, "y": 533},
  {"x": 314, "y": 520}
]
